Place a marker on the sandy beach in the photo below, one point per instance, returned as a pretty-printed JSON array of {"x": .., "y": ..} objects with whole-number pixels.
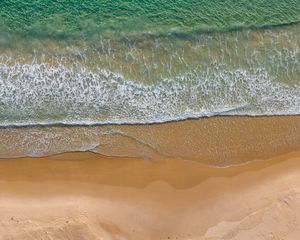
[
  {"x": 150, "y": 120},
  {"x": 90, "y": 196}
]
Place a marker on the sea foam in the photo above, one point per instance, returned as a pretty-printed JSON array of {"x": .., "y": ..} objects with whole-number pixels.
[{"x": 41, "y": 94}]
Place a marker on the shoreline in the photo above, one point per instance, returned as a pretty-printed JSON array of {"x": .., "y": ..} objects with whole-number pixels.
[
  {"x": 94, "y": 164},
  {"x": 158, "y": 184},
  {"x": 149, "y": 123},
  {"x": 217, "y": 141}
]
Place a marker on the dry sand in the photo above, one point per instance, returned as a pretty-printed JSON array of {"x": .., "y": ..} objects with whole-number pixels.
[{"x": 86, "y": 196}]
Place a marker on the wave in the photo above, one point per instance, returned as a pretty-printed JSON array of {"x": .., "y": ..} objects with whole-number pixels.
[
  {"x": 38, "y": 94},
  {"x": 151, "y": 80}
]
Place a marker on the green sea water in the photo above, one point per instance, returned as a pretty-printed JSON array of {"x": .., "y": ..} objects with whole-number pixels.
[
  {"x": 103, "y": 62},
  {"x": 77, "y": 18}
]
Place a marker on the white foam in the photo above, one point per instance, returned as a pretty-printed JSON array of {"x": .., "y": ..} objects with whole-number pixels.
[{"x": 41, "y": 94}]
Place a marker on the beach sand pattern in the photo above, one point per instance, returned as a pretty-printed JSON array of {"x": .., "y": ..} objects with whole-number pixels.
[{"x": 139, "y": 119}]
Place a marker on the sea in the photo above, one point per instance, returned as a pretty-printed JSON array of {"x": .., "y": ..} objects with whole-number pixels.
[{"x": 66, "y": 63}]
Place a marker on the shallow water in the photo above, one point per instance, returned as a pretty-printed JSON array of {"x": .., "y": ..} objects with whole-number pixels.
[
  {"x": 151, "y": 79},
  {"x": 141, "y": 62},
  {"x": 220, "y": 142}
]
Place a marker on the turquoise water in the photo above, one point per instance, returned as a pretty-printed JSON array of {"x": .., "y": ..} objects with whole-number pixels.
[
  {"x": 63, "y": 18},
  {"x": 101, "y": 62}
]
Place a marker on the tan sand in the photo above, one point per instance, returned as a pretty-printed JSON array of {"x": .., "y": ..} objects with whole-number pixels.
[
  {"x": 86, "y": 196},
  {"x": 165, "y": 191}
]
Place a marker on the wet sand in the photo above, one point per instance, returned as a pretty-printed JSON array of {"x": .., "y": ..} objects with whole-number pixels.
[
  {"x": 217, "y": 141},
  {"x": 89, "y": 196}
]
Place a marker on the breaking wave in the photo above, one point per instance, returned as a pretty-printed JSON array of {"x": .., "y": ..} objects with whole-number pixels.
[{"x": 33, "y": 94}]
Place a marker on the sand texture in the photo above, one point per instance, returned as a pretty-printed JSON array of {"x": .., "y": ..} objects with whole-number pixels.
[
  {"x": 152, "y": 187},
  {"x": 85, "y": 196}
]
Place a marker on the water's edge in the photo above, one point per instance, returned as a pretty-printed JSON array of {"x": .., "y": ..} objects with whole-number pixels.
[{"x": 150, "y": 123}]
